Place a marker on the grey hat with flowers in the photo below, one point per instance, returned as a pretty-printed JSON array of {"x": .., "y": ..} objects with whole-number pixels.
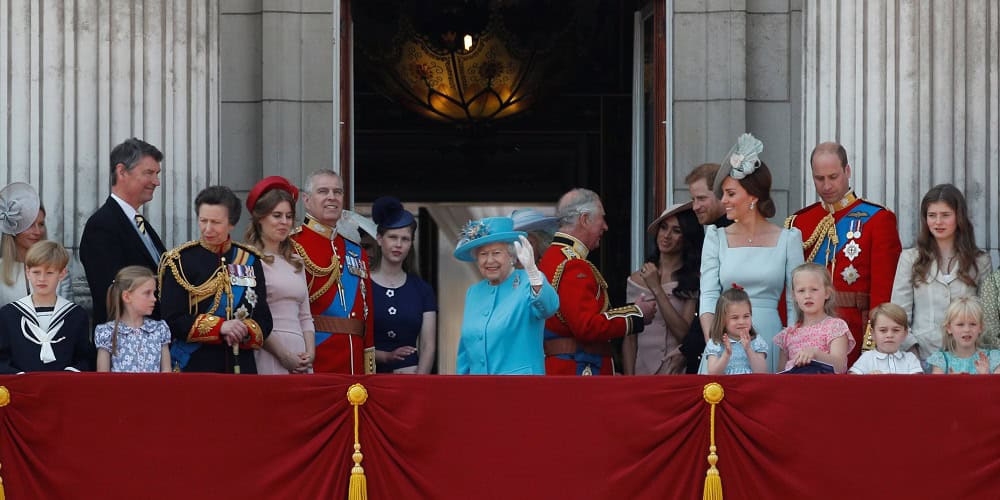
[
  {"x": 19, "y": 206},
  {"x": 741, "y": 160},
  {"x": 477, "y": 233}
]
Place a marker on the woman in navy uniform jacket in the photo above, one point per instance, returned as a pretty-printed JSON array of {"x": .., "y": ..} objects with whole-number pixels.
[{"x": 213, "y": 293}]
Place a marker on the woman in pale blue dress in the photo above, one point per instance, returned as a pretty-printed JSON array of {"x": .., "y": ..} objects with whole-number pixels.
[{"x": 752, "y": 253}]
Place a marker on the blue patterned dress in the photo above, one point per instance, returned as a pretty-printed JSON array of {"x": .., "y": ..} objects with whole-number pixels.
[
  {"x": 138, "y": 349},
  {"x": 739, "y": 363}
]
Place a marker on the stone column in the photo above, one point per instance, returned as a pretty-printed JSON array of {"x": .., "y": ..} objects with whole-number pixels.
[
  {"x": 912, "y": 90},
  {"x": 736, "y": 69},
  {"x": 79, "y": 76}
]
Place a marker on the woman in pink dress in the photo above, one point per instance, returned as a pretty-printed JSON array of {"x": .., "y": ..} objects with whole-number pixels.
[
  {"x": 291, "y": 347},
  {"x": 671, "y": 275}
]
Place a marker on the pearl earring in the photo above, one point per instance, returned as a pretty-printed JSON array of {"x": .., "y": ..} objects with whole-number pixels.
[{"x": 751, "y": 205}]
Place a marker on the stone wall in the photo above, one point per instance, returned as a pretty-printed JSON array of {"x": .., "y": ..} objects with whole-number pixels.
[
  {"x": 737, "y": 68},
  {"x": 276, "y": 89}
]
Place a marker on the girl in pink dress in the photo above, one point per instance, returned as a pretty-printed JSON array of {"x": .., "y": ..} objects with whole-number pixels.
[{"x": 816, "y": 335}]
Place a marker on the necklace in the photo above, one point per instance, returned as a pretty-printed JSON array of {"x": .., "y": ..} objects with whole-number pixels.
[
  {"x": 946, "y": 267},
  {"x": 394, "y": 281}
]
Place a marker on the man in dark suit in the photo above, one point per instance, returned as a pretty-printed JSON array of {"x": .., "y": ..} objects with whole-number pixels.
[{"x": 118, "y": 235}]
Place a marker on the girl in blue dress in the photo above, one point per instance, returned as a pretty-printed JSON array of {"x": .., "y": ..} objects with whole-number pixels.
[
  {"x": 961, "y": 350},
  {"x": 405, "y": 306},
  {"x": 734, "y": 348},
  {"x": 131, "y": 341}
]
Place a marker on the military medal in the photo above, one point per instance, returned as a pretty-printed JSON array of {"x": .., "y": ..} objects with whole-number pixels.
[
  {"x": 251, "y": 276},
  {"x": 234, "y": 278},
  {"x": 850, "y": 274},
  {"x": 252, "y": 297},
  {"x": 852, "y": 250},
  {"x": 355, "y": 265},
  {"x": 242, "y": 313}
]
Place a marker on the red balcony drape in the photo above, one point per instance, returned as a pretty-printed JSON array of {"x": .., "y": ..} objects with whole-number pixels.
[{"x": 442, "y": 437}]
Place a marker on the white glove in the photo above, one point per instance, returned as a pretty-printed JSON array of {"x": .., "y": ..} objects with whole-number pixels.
[{"x": 526, "y": 256}]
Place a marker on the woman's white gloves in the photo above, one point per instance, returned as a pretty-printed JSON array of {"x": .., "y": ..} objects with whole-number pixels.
[{"x": 526, "y": 256}]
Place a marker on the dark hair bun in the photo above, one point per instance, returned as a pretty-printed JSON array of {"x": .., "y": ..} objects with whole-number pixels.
[{"x": 766, "y": 208}]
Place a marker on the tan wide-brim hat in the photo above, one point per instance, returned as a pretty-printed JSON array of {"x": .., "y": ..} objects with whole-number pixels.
[{"x": 673, "y": 210}]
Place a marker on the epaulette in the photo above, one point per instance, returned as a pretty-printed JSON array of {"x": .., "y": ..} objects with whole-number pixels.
[
  {"x": 175, "y": 252},
  {"x": 297, "y": 230},
  {"x": 806, "y": 209},
  {"x": 169, "y": 257},
  {"x": 249, "y": 248},
  {"x": 570, "y": 253},
  {"x": 873, "y": 204}
]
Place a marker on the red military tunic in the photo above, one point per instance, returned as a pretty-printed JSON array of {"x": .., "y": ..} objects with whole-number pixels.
[
  {"x": 340, "y": 299},
  {"x": 860, "y": 245},
  {"x": 577, "y": 337}
]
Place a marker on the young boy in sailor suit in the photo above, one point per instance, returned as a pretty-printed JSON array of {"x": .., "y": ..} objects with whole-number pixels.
[{"x": 43, "y": 331}]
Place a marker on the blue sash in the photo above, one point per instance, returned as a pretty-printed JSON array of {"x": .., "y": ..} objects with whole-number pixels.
[
  {"x": 181, "y": 350},
  {"x": 582, "y": 359},
  {"x": 349, "y": 282},
  {"x": 843, "y": 226}
]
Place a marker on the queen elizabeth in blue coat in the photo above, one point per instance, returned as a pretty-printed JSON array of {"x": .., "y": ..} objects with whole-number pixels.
[{"x": 506, "y": 312}]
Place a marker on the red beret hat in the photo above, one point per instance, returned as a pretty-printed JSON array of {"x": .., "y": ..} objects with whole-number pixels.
[{"x": 267, "y": 184}]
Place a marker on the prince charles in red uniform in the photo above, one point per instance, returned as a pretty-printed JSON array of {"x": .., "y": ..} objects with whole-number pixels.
[
  {"x": 856, "y": 240},
  {"x": 577, "y": 338}
]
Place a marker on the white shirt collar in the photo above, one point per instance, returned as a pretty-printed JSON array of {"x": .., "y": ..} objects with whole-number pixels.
[
  {"x": 130, "y": 212},
  {"x": 896, "y": 355}
]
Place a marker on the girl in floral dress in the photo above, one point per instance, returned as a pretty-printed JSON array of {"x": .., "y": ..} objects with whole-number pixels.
[
  {"x": 130, "y": 341},
  {"x": 816, "y": 335}
]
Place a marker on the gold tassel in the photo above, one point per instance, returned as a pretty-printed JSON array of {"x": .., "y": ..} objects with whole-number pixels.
[
  {"x": 713, "y": 394},
  {"x": 358, "y": 486},
  {"x": 867, "y": 343},
  {"x": 4, "y": 401}
]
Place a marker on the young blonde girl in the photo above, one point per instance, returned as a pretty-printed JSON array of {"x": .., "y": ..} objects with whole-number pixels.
[
  {"x": 961, "y": 349},
  {"x": 130, "y": 341},
  {"x": 734, "y": 348},
  {"x": 889, "y": 328},
  {"x": 817, "y": 334}
]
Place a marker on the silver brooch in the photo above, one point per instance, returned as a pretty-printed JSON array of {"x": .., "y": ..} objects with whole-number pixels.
[
  {"x": 850, "y": 274},
  {"x": 242, "y": 313},
  {"x": 852, "y": 250}
]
